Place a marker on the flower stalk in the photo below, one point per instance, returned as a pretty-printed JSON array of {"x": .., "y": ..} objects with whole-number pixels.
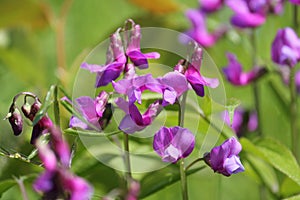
[{"x": 183, "y": 179}]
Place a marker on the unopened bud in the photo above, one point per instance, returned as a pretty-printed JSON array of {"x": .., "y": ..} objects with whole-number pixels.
[
  {"x": 26, "y": 109},
  {"x": 16, "y": 121}
]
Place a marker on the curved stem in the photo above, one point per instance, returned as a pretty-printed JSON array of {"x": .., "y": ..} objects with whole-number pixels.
[
  {"x": 26, "y": 94},
  {"x": 194, "y": 162},
  {"x": 183, "y": 179}
]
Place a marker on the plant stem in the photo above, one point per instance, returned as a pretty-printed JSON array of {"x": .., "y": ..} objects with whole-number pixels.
[
  {"x": 295, "y": 17},
  {"x": 128, "y": 175},
  {"x": 255, "y": 84},
  {"x": 293, "y": 111},
  {"x": 213, "y": 125},
  {"x": 194, "y": 162},
  {"x": 22, "y": 188},
  {"x": 183, "y": 179},
  {"x": 56, "y": 107}
]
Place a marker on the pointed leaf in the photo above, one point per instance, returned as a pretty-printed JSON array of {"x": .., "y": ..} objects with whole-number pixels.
[
  {"x": 289, "y": 188},
  {"x": 6, "y": 185},
  {"x": 278, "y": 155}
]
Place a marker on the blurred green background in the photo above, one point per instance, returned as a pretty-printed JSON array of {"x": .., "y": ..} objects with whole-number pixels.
[{"x": 43, "y": 43}]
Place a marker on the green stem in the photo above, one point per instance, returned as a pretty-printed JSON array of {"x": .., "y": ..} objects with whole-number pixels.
[
  {"x": 128, "y": 175},
  {"x": 183, "y": 179},
  {"x": 295, "y": 17},
  {"x": 20, "y": 182},
  {"x": 255, "y": 84},
  {"x": 56, "y": 107},
  {"x": 194, "y": 162},
  {"x": 293, "y": 111}
]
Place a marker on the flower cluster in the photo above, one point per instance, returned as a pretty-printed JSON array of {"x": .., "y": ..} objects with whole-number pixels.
[{"x": 57, "y": 181}]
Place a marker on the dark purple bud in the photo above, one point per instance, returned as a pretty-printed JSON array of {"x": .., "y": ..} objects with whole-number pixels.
[
  {"x": 26, "y": 109},
  {"x": 15, "y": 120}
]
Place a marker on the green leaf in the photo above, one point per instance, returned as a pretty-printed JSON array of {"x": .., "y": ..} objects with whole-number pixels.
[
  {"x": 208, "y": 105},
  {"x": 77, "y": 132},
  {"x": 278, "y": 155},
  {"x": 6, "y": 185},
  {"x": 297, "y": 197},
  {"x": 265, "y": 172},
  {"x": 289, "y": 188},
  {"x": 152, "y": 183},
  {"x": 45, "y": 105},
  {"x": 232, "y": 104}
]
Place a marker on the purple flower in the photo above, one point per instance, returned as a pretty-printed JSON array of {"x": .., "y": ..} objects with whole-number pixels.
[
  {"x": 248, "y": 13},
  {"x": 275, "y": 6},
  {"x": 297, "y": 2},
  {"x": 134, "y": 121},
  {"x": 209, "y": 6},
  {"x": 236, "y": 76},
  {"x": 115, "y": 62},
  {"x": 134, "y": 190},
  {"x": 133, "y": 50},
  {"x": 174, "y": 85},
  {"x": 224, "y": 159},
  {"x": 199, "y": 31},
  {"x": 192, "y": 73},
  {"x": 117, "y": 57},
  {"x": 243, "y": 121},
  {"x": 96, "y": 112},
  {"x": 173, "y": 143},
  {"x": 57, "y": 181},
  {"x": 286, "y": 47}
]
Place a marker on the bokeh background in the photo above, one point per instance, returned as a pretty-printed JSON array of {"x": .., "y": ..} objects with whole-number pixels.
[{"x": 43, "y": 43}]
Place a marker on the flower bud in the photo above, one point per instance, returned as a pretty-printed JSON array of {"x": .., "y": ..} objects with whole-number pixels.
[{"x": 16, "y": 121}]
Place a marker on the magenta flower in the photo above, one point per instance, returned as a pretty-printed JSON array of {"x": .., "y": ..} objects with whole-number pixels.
[
  {"x": 193, "y": 75},
  {"x": 134, "y": 121},
  {"x": 286, "y": 47},
  {"x": 209, "y": 6},
  {"x": 96, "y": 112},
  {"x": 224, "y": 159},
  {"x": 133, "y": 50},
  {"x": 57, "y": 181},
  {"x": 117, "y": 56},
  {"x": 235, "y": 75},
  {"x": 199, "y": 31},
  {"x": 173, "y": 143},
  {"x": 297, "y": 2},
  {"x": 115, "y": 62},
  {"x": 248, "y": 13},
  {"x": 243, "y": 121}
]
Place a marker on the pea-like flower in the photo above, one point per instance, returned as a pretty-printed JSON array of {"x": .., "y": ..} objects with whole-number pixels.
[
  {"x": 248, "y": 13},
  {"x": 192, "y": 72},
  {"x": 134, "y": 121},
  {"x": 117, "y": 56},
  {"x": 209, "y": 6},
  {"x": 57, "y": 181},
  {"x": 96, "y": 112},
  {"x": 235, "y": 75},
  {"x": 173, "y": 143},
  {"x": 224, "y": 159},
  {"x": 199, "y": 31},
  {"x": 286, "y": 47}
]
